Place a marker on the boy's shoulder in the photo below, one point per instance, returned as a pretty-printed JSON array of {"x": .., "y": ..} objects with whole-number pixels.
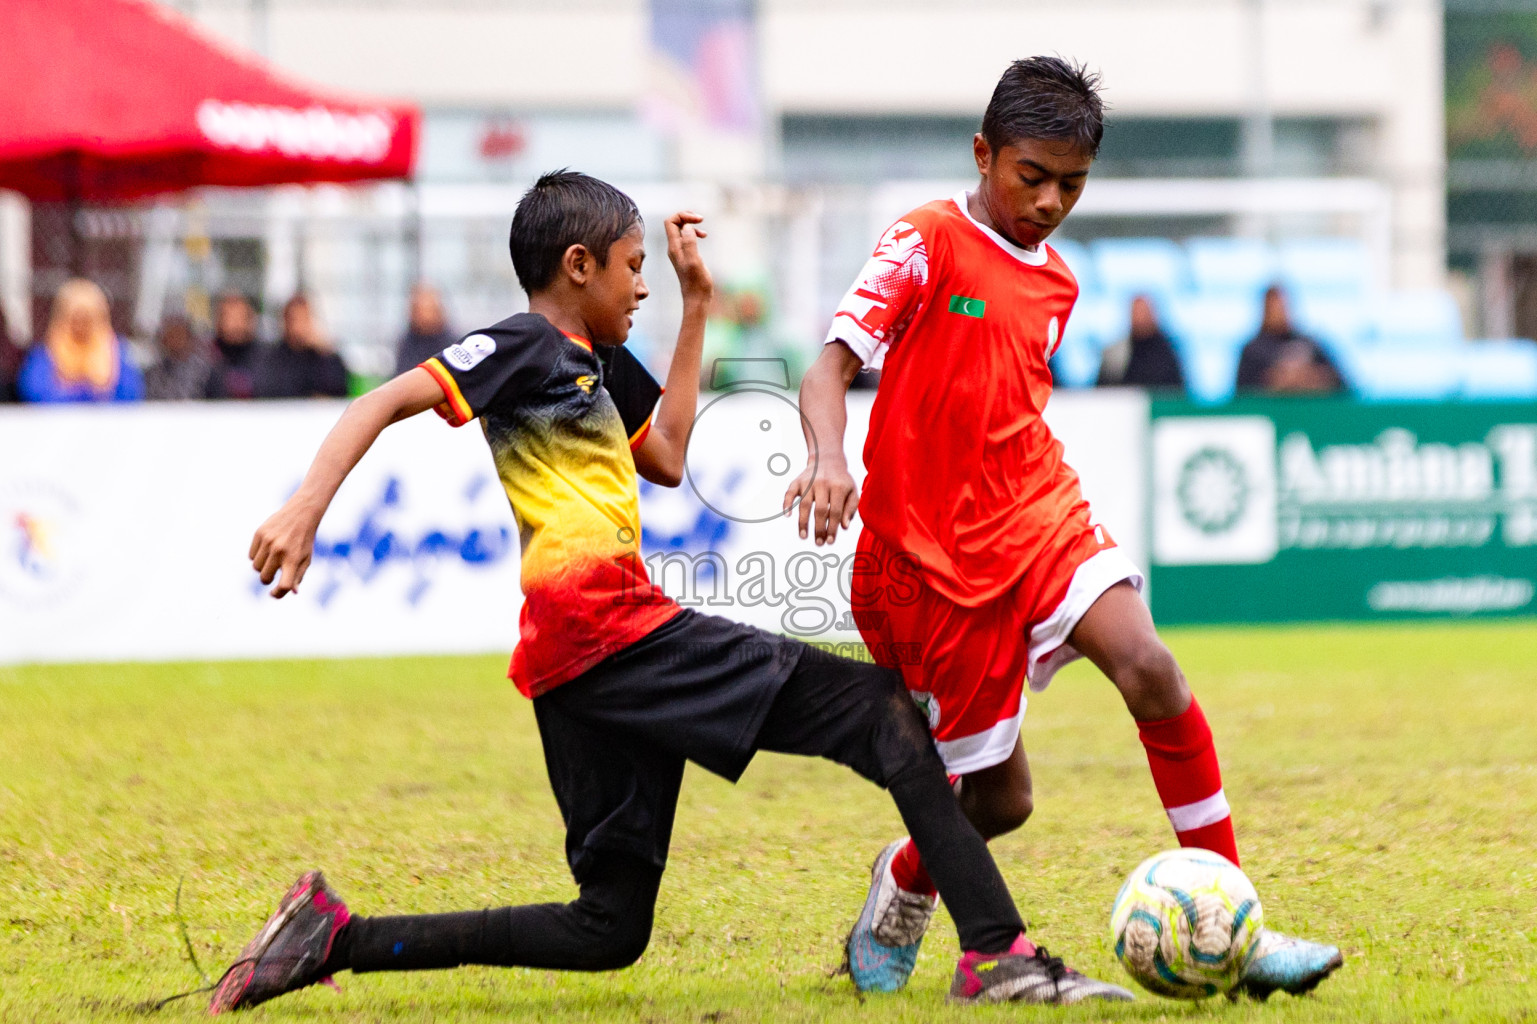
[{"x": 935, "y": 215}]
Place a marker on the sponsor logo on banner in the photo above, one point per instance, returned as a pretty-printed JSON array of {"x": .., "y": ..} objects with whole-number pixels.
[
  {"x": 1214, "y": 490},
  {"x": 1454, "y": 595},
  {"x": 314, "y": 132},
  {"x": 1397, "y": 492},
  {"x": 42, "y": 554},
  {"x": 1228, "y": 492},
  {"x": 358, "y": 554}
]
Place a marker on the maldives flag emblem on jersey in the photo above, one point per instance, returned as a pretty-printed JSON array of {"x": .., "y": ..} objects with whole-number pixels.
[{"x": 967, "y": 306}]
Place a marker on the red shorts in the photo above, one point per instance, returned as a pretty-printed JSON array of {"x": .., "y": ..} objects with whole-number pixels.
[{"x": 966, "y": 667}]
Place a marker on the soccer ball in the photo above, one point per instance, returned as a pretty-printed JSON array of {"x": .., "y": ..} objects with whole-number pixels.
[{"x": 1185, "y": 923}]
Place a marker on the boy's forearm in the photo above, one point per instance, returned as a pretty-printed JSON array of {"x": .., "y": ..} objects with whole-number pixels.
[
  {"x": 357, "y": 430},
  {"x": 675, "y": 413},
  {"x": 824, "y": 412}
]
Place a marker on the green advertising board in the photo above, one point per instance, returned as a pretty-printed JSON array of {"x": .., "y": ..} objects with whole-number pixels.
[{"x": 1316, "y": 509}]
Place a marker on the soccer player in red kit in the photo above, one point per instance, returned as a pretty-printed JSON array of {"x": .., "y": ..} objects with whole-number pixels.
[{"x": 979, "y": 552}]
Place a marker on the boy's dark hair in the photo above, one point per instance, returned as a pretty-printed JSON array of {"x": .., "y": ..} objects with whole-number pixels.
[
  {"x": 566, "y": 208},
  {"x": 1045, "y": 98}
]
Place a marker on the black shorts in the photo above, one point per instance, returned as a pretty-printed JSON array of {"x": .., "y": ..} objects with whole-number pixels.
[{"x": 616, "y": 737}]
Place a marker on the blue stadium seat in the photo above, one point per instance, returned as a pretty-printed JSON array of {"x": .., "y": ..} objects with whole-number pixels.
[
  {"x": 1099, "y": 319},
  {"x": 1500, "y": 369},
  {"x": 1389, "y": 371},
  {"x": 1208, "y": 320},
  {"x": 1076, "y": 364},
  {"x": 1126, "y": 266},
  {"x": 1336, "y": 266},
  {"x": 1417, "y": 316},
  {"x": 1241, "y": 266},
  {"x": 1211, "y": 371},
  {"x": 1078, "y": 261},
  {"x": 1340, "y": 323}
]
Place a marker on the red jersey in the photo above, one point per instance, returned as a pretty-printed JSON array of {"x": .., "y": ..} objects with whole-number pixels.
[{"x": 963, "y": 472}]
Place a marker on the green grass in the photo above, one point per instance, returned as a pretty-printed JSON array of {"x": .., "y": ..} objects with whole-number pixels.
[{"x": 1384, "y": 780}]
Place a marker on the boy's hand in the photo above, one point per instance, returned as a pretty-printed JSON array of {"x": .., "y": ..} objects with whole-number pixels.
[
  {"x": 282, "y": 547},
  {"x": 683, "y": 235},
  {"x": 828, "y": 497}
]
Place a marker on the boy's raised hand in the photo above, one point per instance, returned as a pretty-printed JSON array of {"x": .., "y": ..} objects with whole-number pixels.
[
  {"x": 283, "y": 546},
  {"x": 683, "y": 235}
]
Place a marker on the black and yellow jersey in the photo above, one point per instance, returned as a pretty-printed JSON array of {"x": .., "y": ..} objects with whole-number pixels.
[{"x": 562, "y": 417}]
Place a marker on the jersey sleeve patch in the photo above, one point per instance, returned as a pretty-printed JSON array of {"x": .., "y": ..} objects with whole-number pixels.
[
  {"x": 491, "y": 366},
  {"x": 885, "y": 297},
  {"x": 470, "y": 352}
]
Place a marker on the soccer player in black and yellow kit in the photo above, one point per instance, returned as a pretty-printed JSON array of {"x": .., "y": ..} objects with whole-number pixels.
[{"x": 627, "y": 686}]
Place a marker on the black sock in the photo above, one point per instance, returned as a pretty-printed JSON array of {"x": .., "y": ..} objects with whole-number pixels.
[
  {"x": 958, "y": 861},
  {"x": 340, "y": 957},
  {"x": 605, "y": 928}
]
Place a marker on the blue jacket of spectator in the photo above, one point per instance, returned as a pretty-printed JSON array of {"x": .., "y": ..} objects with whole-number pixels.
[{"x": 39, "y": 380}]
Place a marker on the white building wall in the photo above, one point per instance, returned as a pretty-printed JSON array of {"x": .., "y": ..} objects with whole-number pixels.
[
  {"x": 1369, "y": 59},
  {"x": 1376, "y": 60}
]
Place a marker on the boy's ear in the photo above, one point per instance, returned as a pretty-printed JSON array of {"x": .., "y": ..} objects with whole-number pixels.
[
  {"x": 982, "y": 152},
  {"x": 577, "y": 264}
]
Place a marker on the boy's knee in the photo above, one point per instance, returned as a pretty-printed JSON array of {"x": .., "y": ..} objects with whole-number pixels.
[
  {"x": 998, "y": 812},
  {"x": 621, "y": 944},
  {"x": 615, "y": 910},
  {"x": 1150, "y": 680}
]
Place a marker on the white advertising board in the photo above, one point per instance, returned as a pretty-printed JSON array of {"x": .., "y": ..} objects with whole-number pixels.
[{"x": 124, "y": 530}]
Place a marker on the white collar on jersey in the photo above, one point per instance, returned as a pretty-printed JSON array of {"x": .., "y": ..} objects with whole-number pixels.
[{"x": 1030, "y": 258}]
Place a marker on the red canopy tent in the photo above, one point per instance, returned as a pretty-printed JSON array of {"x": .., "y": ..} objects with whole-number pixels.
[{"x": 110, "y": 100}]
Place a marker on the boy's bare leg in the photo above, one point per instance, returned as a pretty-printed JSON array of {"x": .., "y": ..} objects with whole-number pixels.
[
  {"x": 999, "y": 799},
  {"x": 1117, "y": 635}
]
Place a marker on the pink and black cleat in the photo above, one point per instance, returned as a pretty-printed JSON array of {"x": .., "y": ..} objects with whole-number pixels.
[
  {"x": 1026, "y": 974},
  {"x": 289, "y": 951}
]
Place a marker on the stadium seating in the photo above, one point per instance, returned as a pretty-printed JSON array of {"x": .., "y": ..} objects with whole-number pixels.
[
  {"x": 1420, "y": 316},
  {"x": 1127, "y": 266},
  {"x": 1238, "y": 266},
  {"x": 1320, "y": 266},
  {"x": 1399, "y": 371},
  {"x": 1390, "y": 345},
  {"x": 1500, "y": 369},
  {"x": 1077, "y": 259}
]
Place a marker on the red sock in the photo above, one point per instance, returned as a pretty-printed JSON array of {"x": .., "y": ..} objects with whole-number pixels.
[
  {"x": 1189, "y": 781},
  {"x": 908, "y": 870}
]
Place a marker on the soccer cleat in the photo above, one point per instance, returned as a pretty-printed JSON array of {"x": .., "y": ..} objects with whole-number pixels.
[
  {"x": 289, "y": 951},
  {"x": 882, "y": 948},
  {"x": 1026, "y": 974},
  {"x": 1280, "y": 962}
]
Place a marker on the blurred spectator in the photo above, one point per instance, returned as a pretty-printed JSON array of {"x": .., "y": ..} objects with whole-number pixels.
[
  {"x": 1146, "y": 359},
  {"x": 80, "y": 359},
  {"x": 186, "y": 369},
  {"x": 11, "y": 356},
  {"x": 722, "y": 336},
  {"x": 235, "y": 342},
  {"x": 427, "y": 333},
  {"x": 1281, "y": 359},
  {"x": 302, "y": 364}
]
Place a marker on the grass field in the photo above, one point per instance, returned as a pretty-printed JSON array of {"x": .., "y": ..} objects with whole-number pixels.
[{"x": 1384, "y": 782}]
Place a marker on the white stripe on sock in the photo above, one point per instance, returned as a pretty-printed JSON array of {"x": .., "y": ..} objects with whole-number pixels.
[{"x": 1199, "y": 814}]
